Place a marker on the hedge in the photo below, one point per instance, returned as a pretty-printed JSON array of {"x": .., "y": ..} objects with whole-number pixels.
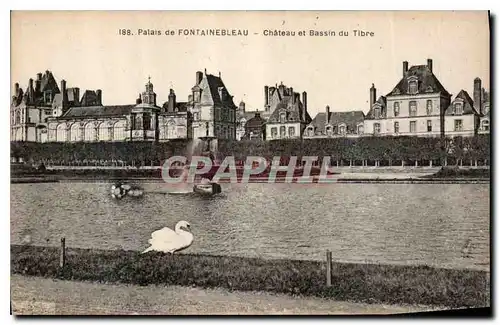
[{"x": 364, "y": 148}]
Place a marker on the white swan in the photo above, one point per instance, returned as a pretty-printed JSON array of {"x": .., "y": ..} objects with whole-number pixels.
[{"x": 168, "y": 241}]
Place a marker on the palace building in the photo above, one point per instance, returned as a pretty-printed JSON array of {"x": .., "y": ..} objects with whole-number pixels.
[
  {"x": 419, "y": 105},
  {"x": 288, "y": 116}
]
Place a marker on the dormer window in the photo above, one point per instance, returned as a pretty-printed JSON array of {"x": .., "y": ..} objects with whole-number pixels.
[
  {"x": 429, "y": 89},
  {"x": 458, "y": 109},
  {"x": 342, "y": 129},
  {"x": 396, "y": 109},
  {"x": 329, "y": 130},
  {"x": 197, "y": 96},
  {"x": 412, "y": 87},
  {"x": 396, "y": 91},
  {"x": 283, "y": 117},
  {"x": 376, "y": 112}
]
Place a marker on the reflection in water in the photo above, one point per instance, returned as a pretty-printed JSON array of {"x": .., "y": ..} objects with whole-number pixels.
[{"x": 398, "y": 223}]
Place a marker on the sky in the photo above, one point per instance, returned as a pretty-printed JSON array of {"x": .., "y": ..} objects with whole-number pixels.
[{"x": 87, "y": 50}]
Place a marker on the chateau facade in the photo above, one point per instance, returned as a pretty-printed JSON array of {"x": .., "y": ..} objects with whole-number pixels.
[
  {"x": 418, "y": 105},
  {"x": 49, "y": 113}
]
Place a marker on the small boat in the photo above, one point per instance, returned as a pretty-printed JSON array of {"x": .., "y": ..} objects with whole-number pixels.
[{"x": 207, "y": 188}]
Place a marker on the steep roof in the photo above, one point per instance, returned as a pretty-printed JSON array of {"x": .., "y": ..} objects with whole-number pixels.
[
  {"x": 468, "y": 107},
  {"x": 382, "y": 102},
  {"x": 294, "y": 112},
  {"x": 48, "y": 82},
  {"x": 97, "y": 111},
  {"x": 214, "y": 83},
  {"x": 427, "y": 82},
  {"x": 180, "y": 106},
  {"x": 351, "y": 119},
  {"x": 255, "y": 122}
]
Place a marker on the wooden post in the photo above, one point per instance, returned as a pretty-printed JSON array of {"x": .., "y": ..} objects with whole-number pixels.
[
  {"x": 328, "y": 268},
  {"x": 62, "y": 257}
]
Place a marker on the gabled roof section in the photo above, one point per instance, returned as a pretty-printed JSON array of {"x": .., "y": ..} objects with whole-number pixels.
[
  {"x": 48, "y": 82},
  {"x": 382, "y": 103},
  {"x": 468, "y": 104},
  {"x": 214, "y": 83},
  {"x": 351, "y": 119},
  {"x": 427, "y": 82},
  {"x": 97, "y": 111},
  {"x": 294, "y": 112}
]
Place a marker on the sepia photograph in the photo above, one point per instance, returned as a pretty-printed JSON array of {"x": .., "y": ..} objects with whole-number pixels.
[{"x": 250, "y": 163}]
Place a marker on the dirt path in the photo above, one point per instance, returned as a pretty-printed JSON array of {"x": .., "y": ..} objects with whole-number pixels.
[{"x": 36, "y": 296}]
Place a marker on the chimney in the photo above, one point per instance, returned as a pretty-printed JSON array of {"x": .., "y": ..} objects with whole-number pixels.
[
  {"x": 76, "y": 93},
  {"x": 199, "y": 77},
  {"x": 39, "y": 76},
  {"x": 477, "y": 95},
  {"x": 373, "y": 95},
  {"x": 266, "y": 97},
  {"x": 64, "y": 93},
  {"x": 242, "y": 106},
  {"x": 304, "y": 102},
  {"x": 292, "y": 94},
  {"x": 219, "y": 75},
  {"x": 98, "y": 92},
  {"x": 405, "y": 68},
  {"x": 429, "y": 64},
  {"x": 327, "y": 119},
  {"x": 171, "y": 101},
  {"x": 139, "y": 100},
  {"x": 16, "y": 91}
]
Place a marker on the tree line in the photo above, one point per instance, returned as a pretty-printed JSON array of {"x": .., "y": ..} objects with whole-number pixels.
[{"x": 350, "y": 149}]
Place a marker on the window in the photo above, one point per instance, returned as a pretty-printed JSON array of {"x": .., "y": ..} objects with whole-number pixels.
[
  {"x": 133, "y": 121},
  {"x": 413, "y": 126},
  {"x": 274, "y": 132},
  {"x": 12, "y": 120},
  {"x": 217, "y": 114},
  {"x": 458, "y": 125},
  {"x": 413, "y": 108},
  {"x": 486, "y": 125},
  {"x": 361, "y": 129},
  {"x": 413, "y": 87},
  {"x": 329, "y": 130},
  {"x": 310, "y": 131},
  {"x": 146, "y": 122},
  {"x": 429, "y": 107},
  {"x": 291, "y": 131},
  {"x": 342, "y": 129},
  {"x": 458, "y": 109},
  {"x": 18, "y": 118},
  {"x": 282, "y": 131},
  {"x": 376, "y": 128},
  {"x": 197, "y": 95},
  {"x": 396, "y": 127},
  {"x": 377, "y": 113},
  {"x": 429, "y": 126},
  {"x": 282, "y": 117},
  {"x": 396, "y": 109}
]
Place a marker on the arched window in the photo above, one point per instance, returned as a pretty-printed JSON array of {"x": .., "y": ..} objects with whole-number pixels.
[
  {"x": 61, "y": 133},
  {"x": 413, "y": 87},
  {"x": 171, "y": 130},
  {"x": 104, "y": 134},
  {"x": 75, "y": 132},
  {"x": 119, "y": 133},
  {"x": 90, "y": 132}
]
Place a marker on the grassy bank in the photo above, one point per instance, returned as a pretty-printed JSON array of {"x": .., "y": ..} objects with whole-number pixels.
[
  {"x": 367, "y": 283},
  {"x": 453, "y": 172}
]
